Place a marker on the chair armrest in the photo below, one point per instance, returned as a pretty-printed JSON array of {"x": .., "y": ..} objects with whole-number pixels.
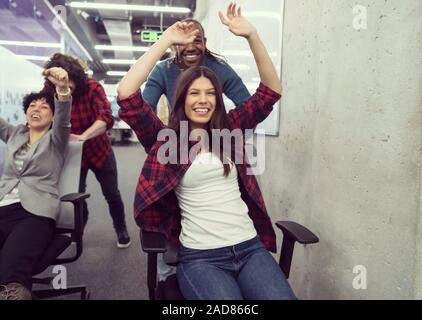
[
  {"x": 171, "y": 256},
  {"x": 78, "y": 228},
  {"x": 297, "y": 232},
  {"x": 153, "y": 242},
  {"x": 292, "y": 232},
  {"x": 74, "y": 197}
]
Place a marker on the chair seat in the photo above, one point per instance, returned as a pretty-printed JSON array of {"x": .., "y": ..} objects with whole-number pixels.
[{"x": 59, "y": 244}]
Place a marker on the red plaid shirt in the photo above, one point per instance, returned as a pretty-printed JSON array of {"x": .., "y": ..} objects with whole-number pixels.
[
  {"x": 86, "y": 109},
  {"x": 156, "y": 204}
]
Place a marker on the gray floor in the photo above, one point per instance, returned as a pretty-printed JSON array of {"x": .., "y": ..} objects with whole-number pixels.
[{"x": 109, "y": 272}]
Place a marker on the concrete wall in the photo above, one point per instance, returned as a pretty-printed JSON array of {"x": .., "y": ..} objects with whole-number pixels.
[
  {"x": 348, "y": 159},
  {"x": 347, "y": 162}
]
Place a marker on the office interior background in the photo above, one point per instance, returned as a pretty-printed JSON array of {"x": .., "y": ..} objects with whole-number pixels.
[{"x": 343, "y": 148}]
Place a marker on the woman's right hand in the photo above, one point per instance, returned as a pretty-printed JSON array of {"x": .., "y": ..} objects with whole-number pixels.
[
  {"x": 59, "y": 78},
  {"x": 180, "y": 33}
]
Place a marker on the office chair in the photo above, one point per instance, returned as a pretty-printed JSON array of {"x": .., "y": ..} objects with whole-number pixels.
[
  {"x": 155, "y": 242},
  {"x": 70, "y": 215},
  {"x": 69, "y": 230}
]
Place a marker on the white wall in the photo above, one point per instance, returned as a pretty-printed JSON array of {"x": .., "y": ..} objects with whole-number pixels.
[
  {"x": 18, "y": 77},
  {"x": 267, "y": 17}
]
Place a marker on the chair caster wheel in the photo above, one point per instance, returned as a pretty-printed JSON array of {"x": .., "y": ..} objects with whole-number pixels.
[{"x": 86, "y": 295}]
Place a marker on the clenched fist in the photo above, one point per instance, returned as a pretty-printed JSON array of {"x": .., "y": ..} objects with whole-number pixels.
[{"x": 59, "y": 77}]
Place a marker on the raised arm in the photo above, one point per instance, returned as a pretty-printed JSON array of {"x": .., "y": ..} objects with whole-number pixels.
[
  {"x": 239, "y": 26},
  {"x": 178, "y": 33},
  {"x": 63, "y": 104}
]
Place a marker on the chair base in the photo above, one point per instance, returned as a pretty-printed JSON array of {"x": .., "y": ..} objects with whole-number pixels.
[
  {"x": 168, "y": 289},
  {"x": 50, "y": 293}
]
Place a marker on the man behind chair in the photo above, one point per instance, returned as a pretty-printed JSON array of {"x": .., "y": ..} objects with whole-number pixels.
[{"x": 91, "y": 117}]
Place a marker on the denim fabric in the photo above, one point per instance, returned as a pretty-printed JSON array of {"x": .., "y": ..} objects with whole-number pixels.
[
  {"x": 107, "y": 177},
  {"x": 243, "y": 271}
]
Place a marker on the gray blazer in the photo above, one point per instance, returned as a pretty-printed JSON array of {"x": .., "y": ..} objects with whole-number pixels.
[{"x": 39, "y": 177}]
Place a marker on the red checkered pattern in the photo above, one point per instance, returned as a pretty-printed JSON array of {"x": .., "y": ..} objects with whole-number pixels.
[{"x": 156, "y": 205}]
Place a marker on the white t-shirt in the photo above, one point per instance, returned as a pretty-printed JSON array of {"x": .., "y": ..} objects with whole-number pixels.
[{"x": 213, "y": 212}]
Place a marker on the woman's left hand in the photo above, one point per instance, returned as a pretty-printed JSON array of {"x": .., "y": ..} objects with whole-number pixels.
[{"x": 237, "y": 24}]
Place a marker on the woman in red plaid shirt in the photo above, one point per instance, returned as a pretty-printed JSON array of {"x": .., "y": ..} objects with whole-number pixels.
[
  {"x": 91, "y": 118},
  {"x": 203, "y": 198}
]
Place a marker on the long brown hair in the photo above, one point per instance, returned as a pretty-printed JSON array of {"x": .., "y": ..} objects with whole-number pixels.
[{"x": 219, "y": 119}]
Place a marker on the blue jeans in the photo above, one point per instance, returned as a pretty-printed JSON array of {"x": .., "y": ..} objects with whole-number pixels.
[{"x": 243, "y": 271}]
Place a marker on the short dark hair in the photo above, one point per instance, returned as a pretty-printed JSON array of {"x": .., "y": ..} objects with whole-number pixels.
[
  {"x": 33, "y": 96},
  {"x": 73, "y": 68},
  {"x": 207, "y": 52}
]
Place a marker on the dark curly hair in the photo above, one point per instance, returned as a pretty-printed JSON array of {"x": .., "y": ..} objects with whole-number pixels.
[
  {"x": 33, "y": 96},
  {"x": 74, "y": 69}
]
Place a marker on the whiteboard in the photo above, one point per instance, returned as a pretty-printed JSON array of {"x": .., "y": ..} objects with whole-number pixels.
[{"x": 267, "y": 17}]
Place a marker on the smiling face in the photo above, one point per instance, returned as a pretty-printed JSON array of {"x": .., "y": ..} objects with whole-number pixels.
[
  {"x": 39, "y": 115},
  {"x": 192, "y": 53},
  {"x": 200, "y": 102}
]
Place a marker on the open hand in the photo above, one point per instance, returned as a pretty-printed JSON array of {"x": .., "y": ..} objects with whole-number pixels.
[
  {"x": 58, "y": 77},
  {"x": 181, "y": 33},
  {"x": 237, "y": 24}
]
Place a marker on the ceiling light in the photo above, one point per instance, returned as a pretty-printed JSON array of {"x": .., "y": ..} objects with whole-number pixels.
[
  {"x": 121, "y": 48},
  {"x": 101, "y": 47},
  {"x": 119, "y": 61},
  {"x": 128, "y": 7},
  {"x": 116, "y": 73},
  {"x": 83, "y": 14},
  {"x": 30, "y": 44},
  {"x": 34, "y": 58}
]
